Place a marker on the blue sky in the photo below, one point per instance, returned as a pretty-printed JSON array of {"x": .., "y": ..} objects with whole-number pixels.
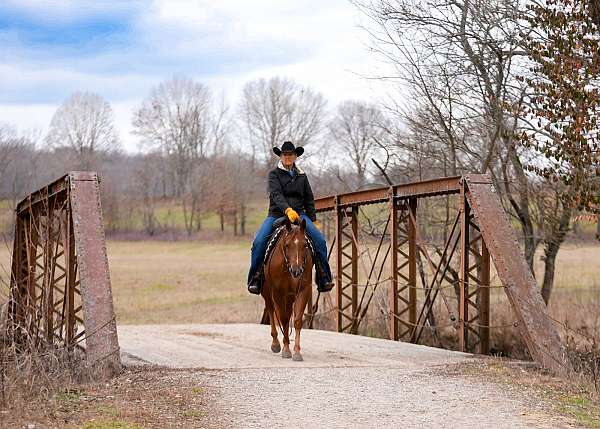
[{"x": 122, "y": 48}]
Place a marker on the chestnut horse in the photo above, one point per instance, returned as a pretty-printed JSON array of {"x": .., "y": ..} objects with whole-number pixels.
[{"x": 287, "y": 286}]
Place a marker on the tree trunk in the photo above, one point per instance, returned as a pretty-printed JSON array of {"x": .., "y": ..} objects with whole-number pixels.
[
  {"x": 235, "y": 225},
  {"x": 222, "y": 219},
  {"x": 243, "y": 219},
  {"x": 598, "y": 228},
  {"x": 187, "y": 218},
  {"x": 360, "y": 174},
  {"x": 522, "y": 207},
  {"x": 551, "y": 251}
]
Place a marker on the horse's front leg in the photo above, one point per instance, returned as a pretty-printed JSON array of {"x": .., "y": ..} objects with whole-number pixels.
[
  {"x": 275, "y": 345},
  {"x": 286, "y": 353},
  {"x": 270, "y": 307},
  {"x": 299, "y": 308},
  {"x": 286, "y": 307}
]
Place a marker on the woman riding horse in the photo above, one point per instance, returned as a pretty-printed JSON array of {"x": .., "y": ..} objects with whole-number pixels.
[{"x": 289, "y": 195}]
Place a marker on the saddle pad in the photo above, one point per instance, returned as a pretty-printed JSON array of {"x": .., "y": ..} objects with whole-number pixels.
[{"x": 275, "y": 238}]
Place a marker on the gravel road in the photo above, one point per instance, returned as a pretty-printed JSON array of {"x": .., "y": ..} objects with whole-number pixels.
[{"x": 345, "y": 381}]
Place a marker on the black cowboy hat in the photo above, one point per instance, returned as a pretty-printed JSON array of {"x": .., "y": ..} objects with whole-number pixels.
[{"x": 288, "y": 147}]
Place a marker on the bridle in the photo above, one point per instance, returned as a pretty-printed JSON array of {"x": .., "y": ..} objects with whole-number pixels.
[
  {"x": 298, "y": 274},
  {"x": 286, "y": 268}
]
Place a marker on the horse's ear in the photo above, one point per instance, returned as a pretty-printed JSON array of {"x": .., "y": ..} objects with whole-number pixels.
[
  {"x": 303, "y": 224},
  {"x": 288, "y": 224}
]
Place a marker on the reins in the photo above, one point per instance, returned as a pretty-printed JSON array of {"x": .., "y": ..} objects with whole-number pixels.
[{"x": 287, "y": 269}]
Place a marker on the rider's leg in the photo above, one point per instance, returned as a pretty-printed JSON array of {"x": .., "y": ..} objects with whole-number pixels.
[
  {"x": 323, "y": 270},
  {"x": 259, "y": 247}
]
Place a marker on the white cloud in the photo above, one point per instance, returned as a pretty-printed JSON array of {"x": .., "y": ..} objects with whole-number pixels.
[
  {"x": 27, "y": 116},
  {"x": 223, "y": 44}
]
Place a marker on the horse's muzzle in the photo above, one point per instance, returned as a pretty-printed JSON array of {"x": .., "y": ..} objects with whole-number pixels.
[{"x": 297, "y": 273}]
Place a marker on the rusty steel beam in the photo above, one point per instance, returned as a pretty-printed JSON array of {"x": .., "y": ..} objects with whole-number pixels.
[
  {"x": 403, "y": 293},
  {"x": 463, "y": 304},
  {"x": 484, "y": 300},
  {"x": 394, "y": 324},
  {"x": 347, "y": 268},
  {"x": 92, "y": 262},
  {"x": 426, "y": 188},
  {"x": 41, "y": 196},
  {"x": 412, "y": 264},
  {"x": 534, "y": 322},
  {"x": 60, "y": 289}
]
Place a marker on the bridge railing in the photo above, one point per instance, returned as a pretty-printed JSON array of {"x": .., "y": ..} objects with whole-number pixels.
[{"x": 397, "y": 259}]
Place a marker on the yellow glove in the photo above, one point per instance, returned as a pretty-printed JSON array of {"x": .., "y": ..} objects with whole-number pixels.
[
  {"x": 317, "y": 224},
  {"x": 292, "y": 215}
]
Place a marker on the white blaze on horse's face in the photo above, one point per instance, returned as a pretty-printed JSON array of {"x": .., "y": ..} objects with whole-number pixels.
[
  {"x": 297, "y": 243},
  {"x": 295, "y": 253}
]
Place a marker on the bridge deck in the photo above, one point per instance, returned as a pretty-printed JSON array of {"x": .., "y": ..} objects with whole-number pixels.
[
  {"x": 345, "y": 381},
  {"x": 247, "y": 346}
]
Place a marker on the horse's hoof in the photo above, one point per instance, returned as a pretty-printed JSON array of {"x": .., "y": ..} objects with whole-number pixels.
[
  {"x": 276, "y": 348},
  {"x": 297, "y": 357},
  {"x": 286, "y": 354}
]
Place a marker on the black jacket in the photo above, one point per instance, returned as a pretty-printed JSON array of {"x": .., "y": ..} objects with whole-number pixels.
[{"x": 287, "y": 191}]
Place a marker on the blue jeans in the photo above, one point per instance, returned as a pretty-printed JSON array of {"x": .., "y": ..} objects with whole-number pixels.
[{"x": 259, "y": 247}]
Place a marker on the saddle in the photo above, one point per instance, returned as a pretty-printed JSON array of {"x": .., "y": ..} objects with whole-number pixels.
[{"x": 278, "y": 228}]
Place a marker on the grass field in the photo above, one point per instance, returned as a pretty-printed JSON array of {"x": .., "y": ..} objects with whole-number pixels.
[
  {"x": 197, "y": 282},
  {"x": 202, "y": 282},
  {"x": 177, "y": 282}
]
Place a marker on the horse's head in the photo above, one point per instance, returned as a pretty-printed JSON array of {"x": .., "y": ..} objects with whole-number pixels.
[{"x": 295, "y": 248}]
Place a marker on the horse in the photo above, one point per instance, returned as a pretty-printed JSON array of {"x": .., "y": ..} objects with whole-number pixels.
[{"x": 287, "y": 286}]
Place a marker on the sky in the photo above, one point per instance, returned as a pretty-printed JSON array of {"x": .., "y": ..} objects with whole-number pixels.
[{"x": 120, "y": 49}]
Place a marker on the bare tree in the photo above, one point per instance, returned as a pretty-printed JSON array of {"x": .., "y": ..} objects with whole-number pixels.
[
  {"x": 147, "y": 187},
  {"x": 84, "y": 123},
  {"x": 457, "y": 61},
  {"x": 278, "y": 109},
  {"x": 10, "y": 143},
  {"x": 459, "y": 64},
  {"x": 16, "y": 154},
  {"x": 357, "y": 130},
  {"x": 180, "y": 118}
]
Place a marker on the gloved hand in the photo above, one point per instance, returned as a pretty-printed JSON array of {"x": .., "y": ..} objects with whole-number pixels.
[
  {"x": 317, "y": 224},
  {"x": 292, "y": 214}
]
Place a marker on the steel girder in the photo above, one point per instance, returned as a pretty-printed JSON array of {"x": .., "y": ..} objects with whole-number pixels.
[
  {"x": 60, "y": 285},
  {"x": 480, "y": 231}
]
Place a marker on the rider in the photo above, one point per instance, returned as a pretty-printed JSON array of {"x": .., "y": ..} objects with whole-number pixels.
[{"x": 289, "y": 195}]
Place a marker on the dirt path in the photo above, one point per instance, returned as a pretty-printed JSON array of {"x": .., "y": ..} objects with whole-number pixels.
[{"x": 345, "y": 381}]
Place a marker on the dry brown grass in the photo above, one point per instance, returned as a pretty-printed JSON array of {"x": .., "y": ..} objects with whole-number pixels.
[
  {"x": 137, "y": 398},
  {"x": 564, "y": 397},
  {"x": 577, "y": 267},
  {"x": 181, "y": 282},
  {"x": 178, "y": 282}
]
